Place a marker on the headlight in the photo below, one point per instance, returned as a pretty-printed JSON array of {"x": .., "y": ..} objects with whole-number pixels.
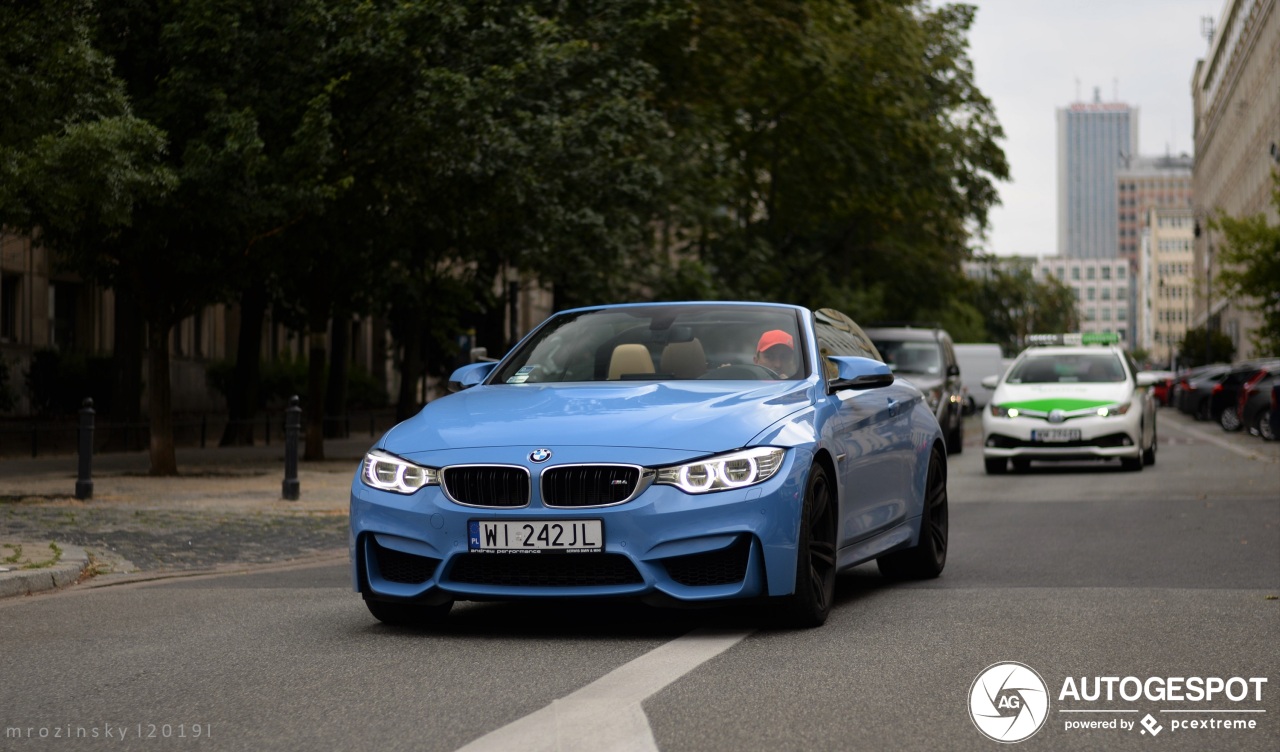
[
  {"x": 1000, "y": 411},
  {"x": 387, "y": 472},
  {"x": 1113, "y": 411},
  {"x": 720, "y": 473}
]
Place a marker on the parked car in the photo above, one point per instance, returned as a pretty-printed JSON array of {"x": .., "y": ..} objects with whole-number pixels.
[
  {"x": 978, "y": 361},
  {"x": 1163, "y": 387},
  {"x": 1256, "y": 403},
  {"x": 1065, "y": 402},
  {"x": 1275, "y": 411},
  {"x": 925, "y": 357},
  {"x": 646, "y": 451},
  {"x": 1224, "y": 397},
  {"x": 1196, "y": 386}
]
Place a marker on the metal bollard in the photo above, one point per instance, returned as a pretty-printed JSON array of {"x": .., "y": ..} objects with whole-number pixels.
[
  {"x": 290, "y": 489},
  {"x": 84, "y": 477}
]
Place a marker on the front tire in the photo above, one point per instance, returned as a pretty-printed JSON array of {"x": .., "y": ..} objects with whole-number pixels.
[
  {"x": 1149, "y": 454},
  {"x": 955, "y": 439},
  {"x": 926, "y": 559},
  {"x": 1229, "y": 420},
  {"x": 810, "y": 604},
  {"x": 1263, "y": 424}
]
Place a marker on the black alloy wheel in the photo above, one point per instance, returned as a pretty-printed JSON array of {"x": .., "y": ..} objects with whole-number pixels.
[
  {"x": 926, "y": 559},
  {"x": 815, "y": 591}
]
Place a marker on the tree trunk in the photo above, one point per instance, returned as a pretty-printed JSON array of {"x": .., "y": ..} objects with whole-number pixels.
[
  {"x": 126, "y": 401},
  {"x": 335, "y": 396},
  {"x": 164, "y": 460},
  {"x": 242, "y": 393},
  {"x": 314, "y": 410},
  {"x": 411, "y": 369}
]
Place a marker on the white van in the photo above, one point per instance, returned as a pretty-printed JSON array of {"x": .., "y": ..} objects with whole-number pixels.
[{"x": 977, "y": 361}]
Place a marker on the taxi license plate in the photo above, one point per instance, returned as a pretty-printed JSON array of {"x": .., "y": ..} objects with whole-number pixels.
[
  {"x": 536, "y": 536},
  {"x": 1056, "y": 434}
]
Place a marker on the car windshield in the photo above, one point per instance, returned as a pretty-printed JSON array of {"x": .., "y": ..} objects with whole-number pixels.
[
  {"x": 1068, "y": 368},
  {"x": 659, "y": 343},
  {"x": 911, "y": 357}
]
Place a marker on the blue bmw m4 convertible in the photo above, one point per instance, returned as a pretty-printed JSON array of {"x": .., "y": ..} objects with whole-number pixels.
[{"x": 676, "y": 453}]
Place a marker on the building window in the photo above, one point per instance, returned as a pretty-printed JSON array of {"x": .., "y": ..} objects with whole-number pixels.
[
  {"x": 1106, "y": 272},
  {"x": 1089, "y": 273},
  {"x": 1091, "y": 293},
  {"x": 1075, "y": 273},
  {"x": 1106, "y": 293}
]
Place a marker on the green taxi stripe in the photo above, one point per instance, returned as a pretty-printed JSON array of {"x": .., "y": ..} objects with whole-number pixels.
[{"x": 1066, "y": 405}]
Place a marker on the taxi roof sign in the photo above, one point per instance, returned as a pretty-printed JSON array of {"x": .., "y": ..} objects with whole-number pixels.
[{"x": 1075, "y": 338}]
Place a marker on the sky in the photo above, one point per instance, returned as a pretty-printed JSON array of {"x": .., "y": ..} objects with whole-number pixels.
[{"x": 1031, "y": 57}]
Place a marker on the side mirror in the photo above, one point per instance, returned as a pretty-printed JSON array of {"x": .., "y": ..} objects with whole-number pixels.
[
  {"x": 953, "y": 370},
  {"x": 858, "y": 373},
  {"x": 470, "y": 375},
  {"x": 1146, "y": 378},
  {"x": 991, "y": 382}
]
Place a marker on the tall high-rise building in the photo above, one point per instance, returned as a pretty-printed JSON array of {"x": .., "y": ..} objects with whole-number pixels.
[{"x": 1095, "y": 140}]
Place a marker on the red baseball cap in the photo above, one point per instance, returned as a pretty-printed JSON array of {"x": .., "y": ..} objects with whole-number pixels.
[{"x": 774, "y": 337}]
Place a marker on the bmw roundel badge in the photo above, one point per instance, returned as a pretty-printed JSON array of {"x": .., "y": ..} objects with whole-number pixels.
[{"x": 540, "y": 455}]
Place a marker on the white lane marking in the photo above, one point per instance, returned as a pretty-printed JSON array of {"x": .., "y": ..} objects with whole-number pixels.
[
  {"x": 1230, "y": 447},
  {"x": 606, "y": 714}
]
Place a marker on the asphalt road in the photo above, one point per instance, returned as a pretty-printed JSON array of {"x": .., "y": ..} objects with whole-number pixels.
[{"x": 1074, "y": 571}]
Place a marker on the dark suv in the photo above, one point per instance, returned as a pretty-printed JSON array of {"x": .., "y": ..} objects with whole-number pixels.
[{"x": 925, "y": 357}]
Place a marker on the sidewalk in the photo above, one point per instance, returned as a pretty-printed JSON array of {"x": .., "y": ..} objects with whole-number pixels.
[{"x": 223, "y": 509}]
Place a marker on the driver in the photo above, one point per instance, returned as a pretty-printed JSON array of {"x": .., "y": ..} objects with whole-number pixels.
[{"x": 776, "y": 351}]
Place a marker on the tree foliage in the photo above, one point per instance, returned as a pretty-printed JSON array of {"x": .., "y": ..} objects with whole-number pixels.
[
  {"x": 1014, "y": 305},
  {"x": 396, "y": 158}
]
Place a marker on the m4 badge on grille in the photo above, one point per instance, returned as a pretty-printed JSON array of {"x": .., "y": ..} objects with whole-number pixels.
[{"x": 540, "y": 455}]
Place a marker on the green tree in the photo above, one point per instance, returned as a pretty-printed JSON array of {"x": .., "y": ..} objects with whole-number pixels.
[
  {"x": 838, "y": 153},
  {"x": 1250, "y": 267},
  {"x": 73, "y": 155},
  {"x": 1014, "y": 305},
  {"x": 1194, "y": 351}
]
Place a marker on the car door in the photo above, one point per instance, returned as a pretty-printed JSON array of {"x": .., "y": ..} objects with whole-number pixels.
[{"x": 870, "y": 438}]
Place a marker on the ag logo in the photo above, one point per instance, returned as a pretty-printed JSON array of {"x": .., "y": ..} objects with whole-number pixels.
[
  {"x": 1008, "y": 702},
  {"x": 540, "y": 455}
]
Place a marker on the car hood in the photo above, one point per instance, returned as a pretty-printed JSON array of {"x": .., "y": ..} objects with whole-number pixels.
[
  {"x": 693, "y": 416},
  {"x": 1068, "y": 397}
]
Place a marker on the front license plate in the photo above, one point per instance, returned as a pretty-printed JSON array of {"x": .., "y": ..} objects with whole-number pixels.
[
  {"x": 519, "y": 536},
  {"x": 1056, "y": 434}
]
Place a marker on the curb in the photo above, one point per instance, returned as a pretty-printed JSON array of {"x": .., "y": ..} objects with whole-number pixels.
[{"x": 67, "y": 571}]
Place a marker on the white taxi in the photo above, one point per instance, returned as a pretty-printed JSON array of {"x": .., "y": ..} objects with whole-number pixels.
[{"x": 1072, "y": 401}]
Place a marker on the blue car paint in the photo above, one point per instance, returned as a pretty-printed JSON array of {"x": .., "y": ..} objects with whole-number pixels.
[{"x": 876, "y": 442}]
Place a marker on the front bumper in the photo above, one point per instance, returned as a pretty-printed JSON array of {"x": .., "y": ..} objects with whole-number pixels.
[
  {"x": 1100, "y": 438},
  {"x": 663, "y": 545}
]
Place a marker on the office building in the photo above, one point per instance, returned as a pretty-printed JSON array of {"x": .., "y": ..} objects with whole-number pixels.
[{"x": 1095, "y": 140}]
